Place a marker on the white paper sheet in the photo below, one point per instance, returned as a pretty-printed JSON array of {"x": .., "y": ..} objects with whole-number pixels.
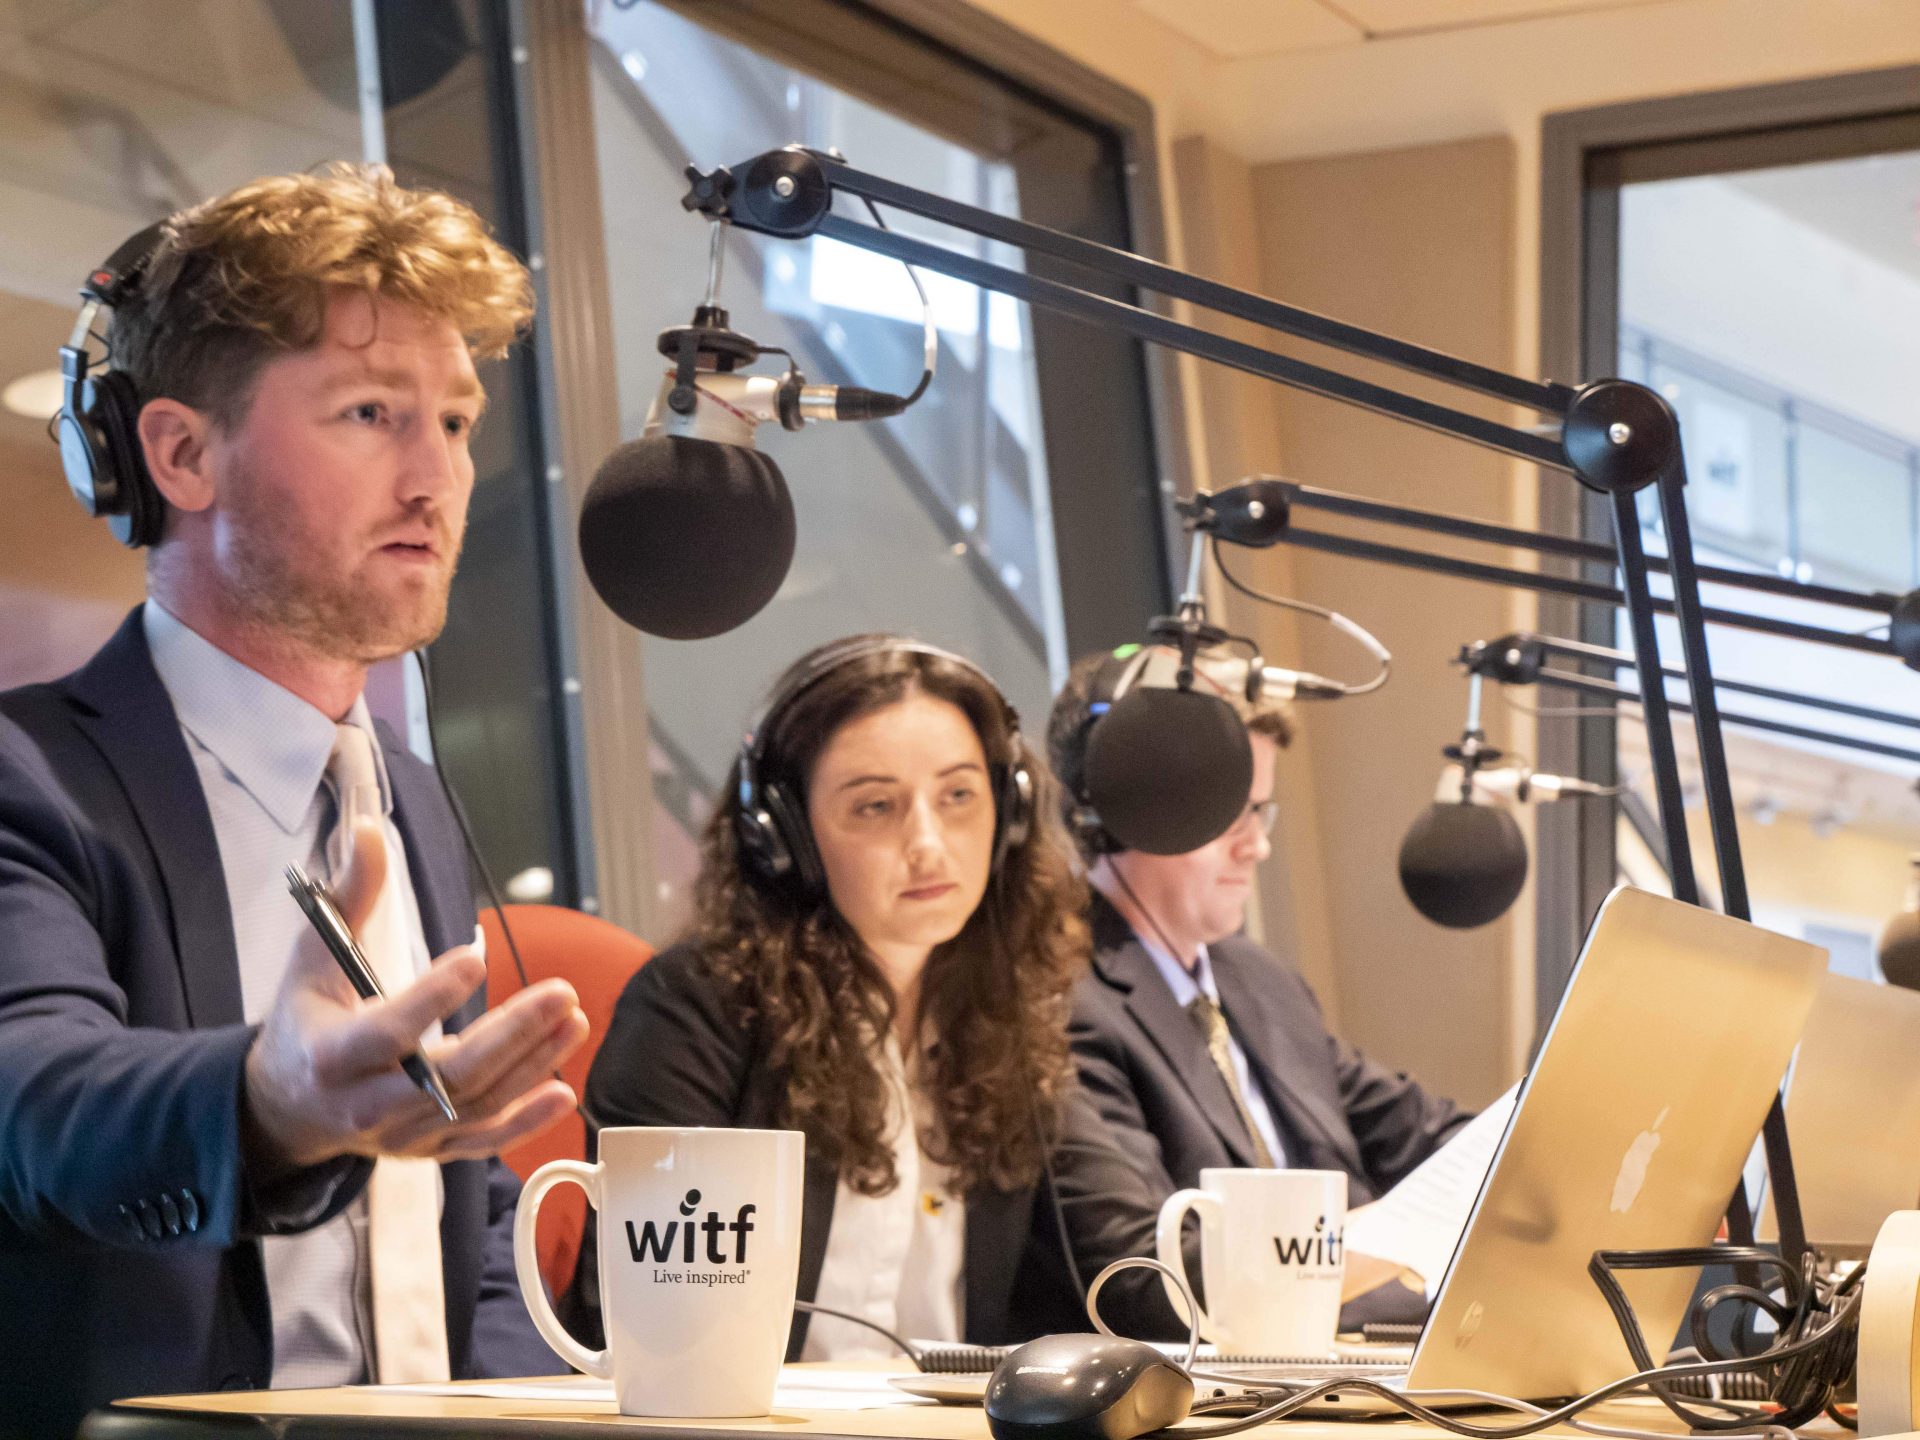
[
  {"x": 1417, "y": 1224},
  {"x": 797, "y": 1390}
]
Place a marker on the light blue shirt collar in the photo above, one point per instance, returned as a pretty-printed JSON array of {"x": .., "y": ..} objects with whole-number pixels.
[
  {"x": 274, "y": 744},
  {"x": 1183, "y": 983}
]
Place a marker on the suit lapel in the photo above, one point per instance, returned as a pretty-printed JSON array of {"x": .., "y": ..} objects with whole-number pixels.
[
  {"x": 1278, "y": 1054},
  {"x": 1122, "y": 961},
  {"x": 123, "y": 709},
  {"x": 436, "y": 862}
]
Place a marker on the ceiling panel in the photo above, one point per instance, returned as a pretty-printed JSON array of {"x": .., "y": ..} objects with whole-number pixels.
[
  {"x": 1240, "y": 29},
  {"x": 1397, "y": 17}
]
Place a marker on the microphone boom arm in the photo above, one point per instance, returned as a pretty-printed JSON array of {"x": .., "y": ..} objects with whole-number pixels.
[{"x": 1615, "y": 437}]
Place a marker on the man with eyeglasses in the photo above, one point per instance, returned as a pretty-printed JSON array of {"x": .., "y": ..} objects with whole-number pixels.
[{"x": 1202, "y": 1048}]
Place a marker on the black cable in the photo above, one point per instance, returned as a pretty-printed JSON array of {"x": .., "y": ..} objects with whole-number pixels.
[
  {"x": 992, "y": 902},
  {"x": 904, "y": 1345},
  {"x": 937, "y": 1359},
  {"x": 1299, "y": 1398},
  {"x": 466, "y": 829},
  {"x": 1803, "y": 1386}
]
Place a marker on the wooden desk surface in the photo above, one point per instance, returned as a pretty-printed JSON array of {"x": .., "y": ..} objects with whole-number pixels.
[{"x": 360, "y": 1413}]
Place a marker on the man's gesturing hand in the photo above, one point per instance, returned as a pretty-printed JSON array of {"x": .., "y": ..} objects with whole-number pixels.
[{"x": 323, "y": 1078}]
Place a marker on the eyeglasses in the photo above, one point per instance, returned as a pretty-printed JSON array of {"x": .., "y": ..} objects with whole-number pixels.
[{"x": 1263, "y": 813}]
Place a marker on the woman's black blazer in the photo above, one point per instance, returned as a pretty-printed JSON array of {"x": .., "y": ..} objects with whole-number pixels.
[{"x": 678, "y": 1054}]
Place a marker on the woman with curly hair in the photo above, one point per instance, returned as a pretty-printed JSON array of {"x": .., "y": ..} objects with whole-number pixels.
[{"x": 888, "y": 931}]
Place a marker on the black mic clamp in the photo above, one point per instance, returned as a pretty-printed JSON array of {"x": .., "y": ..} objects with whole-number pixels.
[
  {"x": 1510, "y": 660},
  {"x": 1189, "y": 632},
  {"x": 1254, "y": 513},
  {"x": 783, "y": 192}
]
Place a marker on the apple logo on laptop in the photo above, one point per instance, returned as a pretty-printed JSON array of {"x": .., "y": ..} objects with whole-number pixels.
[
  {"x": 1469, "y": 1325},
  {"x": 1633, "y": 1166}
]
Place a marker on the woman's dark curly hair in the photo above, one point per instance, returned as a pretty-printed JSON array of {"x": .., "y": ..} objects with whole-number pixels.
[{"x": 994, "y": 998}]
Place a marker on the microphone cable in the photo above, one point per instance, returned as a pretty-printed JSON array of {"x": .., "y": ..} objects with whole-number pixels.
[
  {"x": 939, "y": 1358},
  {"x": 1818, "y": 1339},
  {"x": 879, "y": 403},
  {"x": 1040, "y": 1136},
  {"x": 1350, "y": 628},
  {"x": 460, "y": 818},
  {"x": 930, "y": 341}
]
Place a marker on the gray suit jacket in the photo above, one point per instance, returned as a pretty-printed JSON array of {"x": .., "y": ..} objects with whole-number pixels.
[{"x": 1147, "y": 1068}]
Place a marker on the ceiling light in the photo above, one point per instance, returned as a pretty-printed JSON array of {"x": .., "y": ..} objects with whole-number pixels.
[{"x": 36, "y": 396}]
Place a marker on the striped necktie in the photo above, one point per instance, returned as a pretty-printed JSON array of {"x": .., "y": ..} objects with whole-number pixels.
[{"x": 1212, "y": 1025}]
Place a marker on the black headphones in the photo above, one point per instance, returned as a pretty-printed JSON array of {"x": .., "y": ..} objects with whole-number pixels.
[
  {"x": 1113, "y": 678},
  {"x": 776, "y": 841},
  {"x": 100, "y": 409}
]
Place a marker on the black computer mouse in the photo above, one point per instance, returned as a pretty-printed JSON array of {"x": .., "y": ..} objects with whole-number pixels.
[{"x": 1085, "y": 1387}]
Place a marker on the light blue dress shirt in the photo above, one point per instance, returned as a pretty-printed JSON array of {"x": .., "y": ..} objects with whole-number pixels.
[
  {"x": 1185, "y": 987},
  {"x": 261, "y": 753}
]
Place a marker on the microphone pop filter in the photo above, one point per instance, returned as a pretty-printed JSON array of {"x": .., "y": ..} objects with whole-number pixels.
[
  {"x": 686, "y": 538},
  {"x": 1463, "y": 865},
  {"x": 1167, "y": 771},
  {"x": 1899, "y": 950}
]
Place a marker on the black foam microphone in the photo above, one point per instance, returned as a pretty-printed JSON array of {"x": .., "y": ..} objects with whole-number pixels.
[
  {"x": 1464, "y": 861},
  {"x": 1463, "y": 864},
  {"x": 1899, "y": 944},
  {"x": 688, "y": 532},
  {"x": 1168, "y": 770}
]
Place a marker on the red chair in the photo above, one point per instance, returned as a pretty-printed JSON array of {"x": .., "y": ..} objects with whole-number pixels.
[{"x": 597, "y": 958}]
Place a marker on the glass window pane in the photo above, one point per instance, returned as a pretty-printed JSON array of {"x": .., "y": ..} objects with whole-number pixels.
[
  {"x": 1856, "y": 524},
  {"x": 935, "y": 523},
  {"x": 1778, "y": 310}
]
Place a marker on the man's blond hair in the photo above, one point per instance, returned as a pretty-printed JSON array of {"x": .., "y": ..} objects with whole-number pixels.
[{"x": 245, "y": 277}]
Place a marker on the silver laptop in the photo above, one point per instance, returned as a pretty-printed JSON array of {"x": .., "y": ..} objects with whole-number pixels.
[
  {"x": 1629, "y": 1134},
  {"x": 1853, "y": 1112}
]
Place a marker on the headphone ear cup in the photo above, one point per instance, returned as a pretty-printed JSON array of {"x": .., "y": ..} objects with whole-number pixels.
[
  {"x": 1088, "y": 833},
  {"x": 1013, "y": 792},
  {"x": 761, "y": 850},
  {"x": 805, "y": 869},
  {"x": 81, "y": 444},
  {"x": 137, "y": 509}
]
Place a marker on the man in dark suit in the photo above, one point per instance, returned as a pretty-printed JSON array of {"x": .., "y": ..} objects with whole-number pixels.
[
  {"x": 214, "y": 1173},
  {"x": 1202, "y": 1049}
]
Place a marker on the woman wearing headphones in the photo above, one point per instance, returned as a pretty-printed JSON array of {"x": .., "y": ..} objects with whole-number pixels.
[{"x": 887, "y": 931}]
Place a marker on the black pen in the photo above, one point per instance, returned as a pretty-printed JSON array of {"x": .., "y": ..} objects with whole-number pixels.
[{"x": 324, "y": 913}]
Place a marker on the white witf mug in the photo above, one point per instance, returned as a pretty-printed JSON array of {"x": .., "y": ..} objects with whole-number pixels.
[
  {"x": 699, "y": 1261},
  {"x": 1272, "y": 1255}
]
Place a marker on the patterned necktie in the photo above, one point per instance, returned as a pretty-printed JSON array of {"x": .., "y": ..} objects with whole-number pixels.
[
  {"x": 1212, "y": 1026},
  {"x": 403, "y": 1197}
]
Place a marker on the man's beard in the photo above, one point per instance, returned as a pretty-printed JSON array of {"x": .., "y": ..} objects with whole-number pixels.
[{"x": 271, "y": 581}]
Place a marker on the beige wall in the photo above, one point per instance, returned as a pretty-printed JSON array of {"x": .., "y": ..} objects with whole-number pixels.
[
  {"x": 1415, "y": 242},
  {"x": 1238, "y": 433}
]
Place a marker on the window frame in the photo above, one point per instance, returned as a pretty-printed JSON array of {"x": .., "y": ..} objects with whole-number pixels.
[{"x": 1586, "y": 156}]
